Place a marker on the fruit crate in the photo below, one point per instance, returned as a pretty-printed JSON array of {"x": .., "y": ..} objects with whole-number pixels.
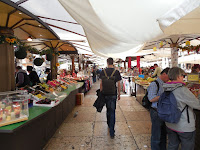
[{"x": 46, "y": 104}]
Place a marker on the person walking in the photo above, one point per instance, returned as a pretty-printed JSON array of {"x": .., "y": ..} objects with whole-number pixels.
[
  {"x": 22, "y": 78},
  {"x": 94, "y": 74},
  {"x": 158, "y": 130},
  {"x": 182, "y": 132},
  {"x": 34, "y": 79},
  {"x": 157, "y": 71},
  {"x": 108, "y": 79}
]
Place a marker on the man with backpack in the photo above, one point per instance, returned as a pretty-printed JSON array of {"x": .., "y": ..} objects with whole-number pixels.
[
  {"x": 180, "y": 119},
  {"x": 109, "y": 77},
  {"x": 158, "y": 130}
]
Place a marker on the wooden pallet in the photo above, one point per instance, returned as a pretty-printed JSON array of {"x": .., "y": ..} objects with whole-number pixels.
[{"x": 13, "y": 121}]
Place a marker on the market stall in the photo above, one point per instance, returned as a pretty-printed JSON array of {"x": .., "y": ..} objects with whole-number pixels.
[
  {"x": 141, "y": 87},
  {"x": 23, "y": 127},
  {"x": 86, "y": 80},
  {"x": 41, "y": 125},
  {"x": 20, "y": 23}
]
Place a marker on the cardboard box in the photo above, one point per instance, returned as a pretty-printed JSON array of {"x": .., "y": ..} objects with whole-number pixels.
[{"x": 79, "y": 98}]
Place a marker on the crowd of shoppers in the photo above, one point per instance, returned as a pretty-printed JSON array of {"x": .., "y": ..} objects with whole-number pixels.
[
  {"x": 30, "y": 79},
  {"x": 183, "y": 132}
]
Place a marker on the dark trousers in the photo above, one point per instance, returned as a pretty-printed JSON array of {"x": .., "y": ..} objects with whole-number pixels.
[
  {"x": 94, "y": 79},
  {"x": 111, "y": 106},
  {"x": 186, "y": 139},
  {"x": 158, "y": 132}
]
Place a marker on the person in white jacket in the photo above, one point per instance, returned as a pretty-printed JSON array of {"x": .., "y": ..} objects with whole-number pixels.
[{"x": 182, "y": 132}]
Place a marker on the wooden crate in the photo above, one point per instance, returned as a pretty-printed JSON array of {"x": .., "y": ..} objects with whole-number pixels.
[{"x": 79, "y": 98}]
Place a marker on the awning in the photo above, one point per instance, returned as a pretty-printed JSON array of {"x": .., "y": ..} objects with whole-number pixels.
[
  {"x": 118, "y": 28},
  {"x": 114, "y": 28},
  {"x": 183, "y": 19},
  {"x": 23, "y": 23},
  {"x": 52, "y": 13},
  {"x": 63, "y": 47}
]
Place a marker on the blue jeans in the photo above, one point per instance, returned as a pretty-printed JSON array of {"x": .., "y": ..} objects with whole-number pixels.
[
  {"x": 111, "y": 106},
  {"x": 158, "y": 132},
  {"x": 94, "y": 79},
  {"x": 186, "y": 139}
]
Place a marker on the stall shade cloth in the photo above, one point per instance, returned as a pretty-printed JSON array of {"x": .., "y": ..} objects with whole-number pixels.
[
  {"x": 183, "y": 19},
  {"x": 119, "y": 28}
]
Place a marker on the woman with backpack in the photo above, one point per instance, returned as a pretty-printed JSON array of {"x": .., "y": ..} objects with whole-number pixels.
[{"x": 182, "y": 132}]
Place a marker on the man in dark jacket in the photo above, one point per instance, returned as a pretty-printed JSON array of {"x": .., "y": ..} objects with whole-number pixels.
[
  {"x": 33, "y": 76},
  {"x": 100, "y": 102},
  {"x": 22, "y": 78}
]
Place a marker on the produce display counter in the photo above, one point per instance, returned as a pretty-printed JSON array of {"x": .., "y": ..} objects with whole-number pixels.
[
  {"x": 140, "y": 91},
  {"x": 41, "y": 125},
  {"x": 87, "y": 82}
]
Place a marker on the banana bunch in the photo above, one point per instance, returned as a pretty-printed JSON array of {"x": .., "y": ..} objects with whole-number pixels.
[
  {"x": 44, "y": 85},
  {"x": 40, "y": 96},
  {"x": 149, "y": 79}
]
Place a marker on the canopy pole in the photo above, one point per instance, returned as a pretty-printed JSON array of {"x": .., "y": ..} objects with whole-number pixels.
[
  {"x": 7, "y": 64},
  {"x": 174, "y": 55},
  {"x": 54, "y": 61},
  {"x": 83, "y": 64},
  {"x": 73, "y": 67},
  {"x": 79, "y": 63},
  {"x": 125, "y": 64}
]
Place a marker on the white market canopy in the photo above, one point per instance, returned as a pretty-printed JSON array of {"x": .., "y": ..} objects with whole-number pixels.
[
  {"x": 182, "y": 19},
  {"x": 113, "y": 28},
  {"x": 119, "y": 28}
]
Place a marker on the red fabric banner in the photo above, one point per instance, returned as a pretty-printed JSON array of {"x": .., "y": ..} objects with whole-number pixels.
[
  {"x": 138, "y": 64},
  {"x": 129, "y": 62}
]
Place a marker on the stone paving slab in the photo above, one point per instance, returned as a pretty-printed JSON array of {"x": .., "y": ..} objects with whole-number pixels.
[{"x": 86, "y": 129}]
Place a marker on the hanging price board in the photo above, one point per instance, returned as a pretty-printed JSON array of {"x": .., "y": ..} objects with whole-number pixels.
[{"x": 193, "y": 77}]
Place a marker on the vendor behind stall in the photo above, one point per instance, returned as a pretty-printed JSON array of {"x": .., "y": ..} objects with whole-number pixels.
[
  {"x": 22, "y": 78},
  {"x": 157, "y": 71},
  {"x": 196, "y": 68},
  {"x": 48, "y": 71},
  {"x": 34, "y": 79}
]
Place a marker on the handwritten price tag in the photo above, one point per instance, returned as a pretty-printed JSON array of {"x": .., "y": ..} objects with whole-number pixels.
[{"x": 193, "y": 77}]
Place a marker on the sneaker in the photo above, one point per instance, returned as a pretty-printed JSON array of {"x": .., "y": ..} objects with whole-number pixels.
[{"x": 112, "y": 137}]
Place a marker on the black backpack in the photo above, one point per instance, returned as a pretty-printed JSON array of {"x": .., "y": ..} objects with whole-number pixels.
[
  {"x": 145, "y": 101},
  {"x": 108, "y": 84}
]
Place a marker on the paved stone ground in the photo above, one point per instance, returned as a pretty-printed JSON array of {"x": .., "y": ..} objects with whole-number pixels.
[{"x": 89, "y": 131}]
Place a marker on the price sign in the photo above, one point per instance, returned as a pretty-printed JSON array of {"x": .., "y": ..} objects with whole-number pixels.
[{"x": 193, "y": 77}]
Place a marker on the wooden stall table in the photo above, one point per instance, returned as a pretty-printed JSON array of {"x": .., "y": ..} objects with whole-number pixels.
[{"x": 41, "y": 125}]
